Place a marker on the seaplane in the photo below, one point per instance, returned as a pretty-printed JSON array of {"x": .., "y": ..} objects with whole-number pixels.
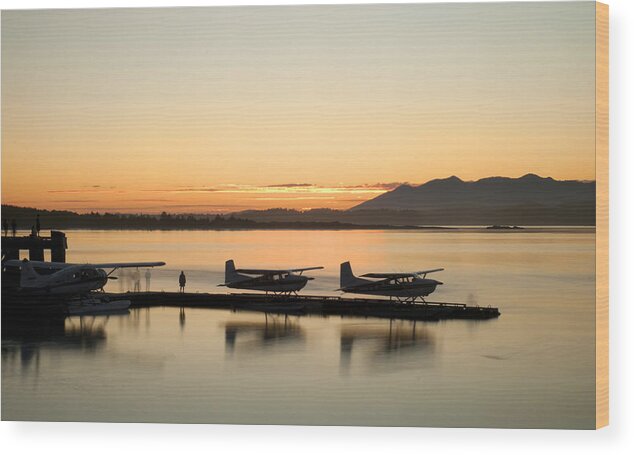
[
  {"x": 61, "y": 278},
  {"x": 275, "y": 281},
  {"x": 72, "y": 284},
  {"x": 403, "y": 287}
]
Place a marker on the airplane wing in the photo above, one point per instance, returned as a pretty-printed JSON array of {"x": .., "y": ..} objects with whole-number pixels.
[
  {"x": 274, "y": 271},
  {"x": 259, "y": 271},
  {"x": 422, "y": 272},
  {"x": 304, "y": 269},
  {"x": 388, "y": 275},
  {"x": 62, "y": 265},
  {"x": 120, "y": 265},
  {"x": 400, "y": 275}
]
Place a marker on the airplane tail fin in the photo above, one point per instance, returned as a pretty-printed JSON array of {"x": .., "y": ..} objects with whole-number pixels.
[
  {"x": 347, "y": 278},
  {"x": 28, "y": 275},
  {"x": 230, "y": 272}
]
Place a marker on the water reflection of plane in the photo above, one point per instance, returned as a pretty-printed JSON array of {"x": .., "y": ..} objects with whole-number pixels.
[
  {"x": 385, "y": 340},
  {"x": 262, "y": 334},
  {"x": 26, "y": 337}
]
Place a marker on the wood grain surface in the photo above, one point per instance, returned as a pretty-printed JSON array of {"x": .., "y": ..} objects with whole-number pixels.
[{"x": 602, "y": 221}]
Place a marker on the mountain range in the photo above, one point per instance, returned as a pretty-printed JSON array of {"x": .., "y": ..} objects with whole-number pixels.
[
  {"x": 529, "y": 200},
  {"x": 453, "y": 193}
]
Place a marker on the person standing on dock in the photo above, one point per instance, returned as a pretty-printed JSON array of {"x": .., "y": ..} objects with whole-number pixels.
[
  {"x": 14, "y": 227},
  {"x": 148, "y": 275},
  {"x": 136, "y": 276},
  {"x": 5, "y": 227},
  {"x": 38, "y": 226},
  {"x": 182, "y": 281}
]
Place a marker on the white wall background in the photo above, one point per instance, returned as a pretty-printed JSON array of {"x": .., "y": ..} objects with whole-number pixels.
[{"x": 65, "y": 438}]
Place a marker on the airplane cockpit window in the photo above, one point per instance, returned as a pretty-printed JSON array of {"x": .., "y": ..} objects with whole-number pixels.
[{"x": 88, "y": 273}]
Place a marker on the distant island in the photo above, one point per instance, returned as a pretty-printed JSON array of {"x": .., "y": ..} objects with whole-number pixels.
[
  {"x": 496, "y": 202},
  {"x": 503, "y": 226},
  {"x": 60, "y": 219}
]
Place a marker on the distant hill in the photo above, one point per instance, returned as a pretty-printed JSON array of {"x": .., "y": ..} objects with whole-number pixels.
[
  {"x": 491, "y": 192},
  {"x": 530, "y": 199}
]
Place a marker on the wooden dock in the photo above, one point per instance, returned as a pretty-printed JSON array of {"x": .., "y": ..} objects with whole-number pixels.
[
  {"x": 16, "y": 303},
  {"x": 311, "y": 305}
]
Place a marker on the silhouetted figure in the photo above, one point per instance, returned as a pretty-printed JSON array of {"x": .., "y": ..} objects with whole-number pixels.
[
  {"x": 33, "y": 232},
  {"x": 37, "y": 224},
  {"x": 5, "y": 227},
  {"x": 148, "y": 275},
  {"x": 182, "y": 281},
  {"x": 137, "y": 280},
  {"x": 14, "y": 227}
]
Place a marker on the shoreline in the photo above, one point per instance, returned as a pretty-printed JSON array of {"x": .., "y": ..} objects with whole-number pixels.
[{"x": 457, "y": 229}]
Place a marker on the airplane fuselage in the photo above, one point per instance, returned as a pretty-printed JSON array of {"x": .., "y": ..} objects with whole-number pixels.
[
  {"x": 419, "y": 287},
  {"x": 288, "y": 283},
  {"x": 72, "y": 280}
]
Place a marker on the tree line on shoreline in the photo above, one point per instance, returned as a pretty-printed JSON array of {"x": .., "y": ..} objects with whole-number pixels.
[{"x": 57, "y": 219}]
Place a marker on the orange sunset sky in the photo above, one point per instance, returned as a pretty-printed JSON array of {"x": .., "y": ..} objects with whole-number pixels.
[{"x": 222, "y": 109}]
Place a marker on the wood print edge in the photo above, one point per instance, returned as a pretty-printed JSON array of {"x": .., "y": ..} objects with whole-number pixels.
[{"x": 602, "y": 215}]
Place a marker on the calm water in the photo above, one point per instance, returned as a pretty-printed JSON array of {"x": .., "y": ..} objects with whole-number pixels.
[{"x": 532, "y": 367}]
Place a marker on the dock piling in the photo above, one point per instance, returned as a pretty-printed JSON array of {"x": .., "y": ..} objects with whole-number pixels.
[{"x": 36, "y": 245}]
